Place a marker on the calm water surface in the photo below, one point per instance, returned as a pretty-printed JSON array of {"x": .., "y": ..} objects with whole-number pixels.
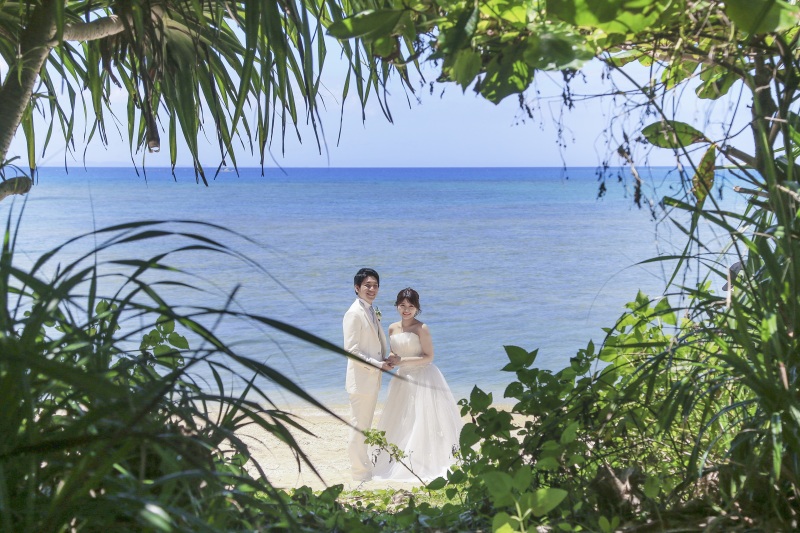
[{"x": 526, "y": 257}]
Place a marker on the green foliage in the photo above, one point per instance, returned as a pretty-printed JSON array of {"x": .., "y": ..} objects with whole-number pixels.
[
  {"x": 675, "y": 409},
  {"x": 671, "y": 134},
  {"x": 611, "y": 16},
  {"x": 377, "y": 439},
  {"x": 367, "y": 24},
  {"x": 683, "y": 408},
  {"x": 99, "y": 435},
  {"x": 703, "y": 180},
  {"x": 242, "y": 70},
  {"x": 762, "y": 16}
]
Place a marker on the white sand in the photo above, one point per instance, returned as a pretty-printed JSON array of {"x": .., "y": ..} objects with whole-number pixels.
[{"x": 327, "y": 451}]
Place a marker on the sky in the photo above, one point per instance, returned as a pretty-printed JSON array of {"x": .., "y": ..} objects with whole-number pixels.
[{"x": 449, "y": 128}]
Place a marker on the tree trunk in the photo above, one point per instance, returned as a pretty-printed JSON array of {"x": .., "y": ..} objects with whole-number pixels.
[{"x": 15, "y": 94}]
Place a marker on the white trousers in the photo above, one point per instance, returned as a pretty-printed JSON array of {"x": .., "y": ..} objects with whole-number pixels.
[{"x": 362, "y": 411}]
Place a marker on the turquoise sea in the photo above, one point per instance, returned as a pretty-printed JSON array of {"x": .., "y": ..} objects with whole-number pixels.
[{"x": 501, "y": 256}]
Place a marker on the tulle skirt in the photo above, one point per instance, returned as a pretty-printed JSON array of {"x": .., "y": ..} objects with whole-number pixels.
[{"x": 422, "y": 418}]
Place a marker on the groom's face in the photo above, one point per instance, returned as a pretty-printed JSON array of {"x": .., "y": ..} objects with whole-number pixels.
[{"x": 368, "y": 289}]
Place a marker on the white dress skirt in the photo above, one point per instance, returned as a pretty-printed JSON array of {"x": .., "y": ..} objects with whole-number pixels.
[{"x": 420, "y": 416}]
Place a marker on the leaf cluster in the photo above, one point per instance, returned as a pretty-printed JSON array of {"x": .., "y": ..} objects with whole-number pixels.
[
  {"x": 242, "y": 73},
  {"x": 104, "y": 425}
]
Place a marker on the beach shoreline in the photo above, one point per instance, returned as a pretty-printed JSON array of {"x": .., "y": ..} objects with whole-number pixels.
[{"x": 325, "y": 447}]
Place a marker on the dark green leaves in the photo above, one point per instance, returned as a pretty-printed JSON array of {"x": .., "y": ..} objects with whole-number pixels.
[
  {"x": 762, "y": 16},
  {"x": 466, "y": 67},
  {"x": 508, "y": 491},
  {"x": 716, "y": 81},
  {"x": 507, "y": 74},
  {"x": 519, "y": 358},
  {"x": 95, "y": 431},
  {"x": 479, "y": 399},
  {"x": 460, "y": 36}
]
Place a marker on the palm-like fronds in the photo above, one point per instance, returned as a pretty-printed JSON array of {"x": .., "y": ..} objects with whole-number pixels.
[
  {"x": 239, "y": 72},
  {"x": 103, "y": 425}
]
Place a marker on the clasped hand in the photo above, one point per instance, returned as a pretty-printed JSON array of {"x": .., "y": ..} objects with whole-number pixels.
[{"x": 390, "y": 362}]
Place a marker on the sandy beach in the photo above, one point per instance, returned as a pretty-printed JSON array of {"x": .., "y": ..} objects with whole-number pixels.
[{"x": 327, "y": 451}]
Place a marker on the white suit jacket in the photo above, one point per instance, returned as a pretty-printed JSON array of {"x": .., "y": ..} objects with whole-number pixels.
[{"x": 368, "y": 343}]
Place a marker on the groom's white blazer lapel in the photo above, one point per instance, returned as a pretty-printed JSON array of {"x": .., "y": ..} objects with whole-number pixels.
[
  {"x": 375, "y": 326},
  {"x": 381, "y": 336}
]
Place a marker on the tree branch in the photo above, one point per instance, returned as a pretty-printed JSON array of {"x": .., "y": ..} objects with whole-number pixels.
[
  {"x": 735, "y": 153},
  {"x": 96, "y": 29},
  {"x": 18, "y": 185}
]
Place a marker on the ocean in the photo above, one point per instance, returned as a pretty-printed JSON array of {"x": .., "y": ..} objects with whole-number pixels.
[{"x": 529, "y": 257}]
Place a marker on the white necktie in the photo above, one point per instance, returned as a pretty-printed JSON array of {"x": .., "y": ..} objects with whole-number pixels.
[{"x": 373, "y": 316}]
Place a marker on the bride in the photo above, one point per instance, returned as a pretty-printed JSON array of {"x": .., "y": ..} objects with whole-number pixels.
[{"x": 420, "y": 415}]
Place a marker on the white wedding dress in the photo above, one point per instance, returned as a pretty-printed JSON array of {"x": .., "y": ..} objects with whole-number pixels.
[{"x": 420, "y": 416}]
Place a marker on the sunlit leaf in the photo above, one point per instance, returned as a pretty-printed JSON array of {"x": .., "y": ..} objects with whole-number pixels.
[
  {"x": 677, "y": 72},
  {"x": 367, "y": 24},
  {"x": 548, "y": 464},
  {"x": 178, "y": 341},
  {"x": 499, "y": 485},
  {"x": 717, "y": 81},
  {"x": 547, "y": 499},
  {"x": 523, "y": 478},
  {"x": 672, "y": 134},
  {"x": 703, "y": 180},
  {"x": 652, "y": 487},
  {"x": 156, "y": 517},
  {"x": 611, "y": 16},
  {"x": 503, "y": 523},
  {"x": 663, "y": 310}
]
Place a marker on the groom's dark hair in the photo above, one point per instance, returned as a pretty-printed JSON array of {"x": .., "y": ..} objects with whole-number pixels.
[{"x": 363, "y": 274}]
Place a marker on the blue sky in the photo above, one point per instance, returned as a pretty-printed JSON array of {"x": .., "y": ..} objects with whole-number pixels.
[{"x": 448, "y": 128}]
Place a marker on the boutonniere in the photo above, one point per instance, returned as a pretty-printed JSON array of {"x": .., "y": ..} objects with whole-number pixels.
[{"x": 377, "y": 313}]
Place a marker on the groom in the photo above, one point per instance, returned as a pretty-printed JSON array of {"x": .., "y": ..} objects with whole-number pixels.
[{"x": 364, "y": 338}]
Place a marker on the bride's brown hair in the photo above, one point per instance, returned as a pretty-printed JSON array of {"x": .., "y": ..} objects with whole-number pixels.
[{"x": 411, "y": 295}]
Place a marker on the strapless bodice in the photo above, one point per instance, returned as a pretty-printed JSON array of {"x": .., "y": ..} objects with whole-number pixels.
[
  {"x": 420, "y": 416},
  {"x": 406, "y": 344}
]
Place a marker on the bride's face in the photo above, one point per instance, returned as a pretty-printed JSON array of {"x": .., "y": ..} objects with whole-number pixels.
[{"x": 406, "y": 310}]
